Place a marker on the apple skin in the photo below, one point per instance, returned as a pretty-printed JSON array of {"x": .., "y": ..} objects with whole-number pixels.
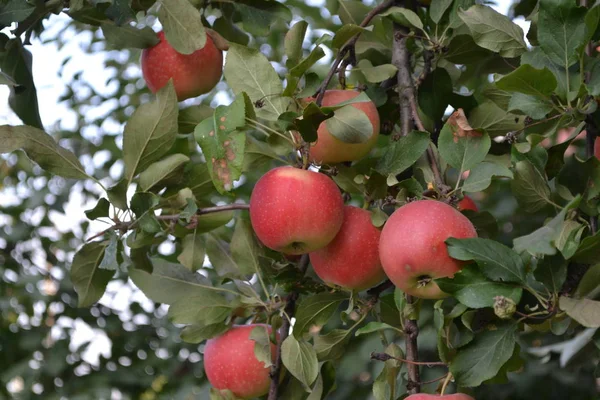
[
  {"x": 424, "y": 396},
  {"x": 296, "y": 211},
  {"x": 330, "y": 150},
  {"x": 230, "y": 363},
  {"x": 412, "y": 246},
  {"x": 467, "y": 203},
  {"x": 351, "y": 260},
  {"x": 597, "y": 148},
  {"x": 193, "y": 74}
]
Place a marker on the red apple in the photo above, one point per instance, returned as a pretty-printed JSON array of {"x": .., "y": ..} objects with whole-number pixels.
[
  {"x": 296, "y": 211},
  {"x": 193, "y": 74},
  {"x": 597, "y": 148},
  {"x": 412, "y": 248},
  {"x": 467, "y": 203},
  {"x": 423, "y": 396},
  {"x": 328, "y": 149},
  {"x": 351, "y": 260},
  {"x": 230, "y": 363}
]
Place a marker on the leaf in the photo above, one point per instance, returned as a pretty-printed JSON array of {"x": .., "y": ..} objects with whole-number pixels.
[
  {"x": 569, "y": 238},
  {"x": 541, "y": 241},
  {"x": 182, "y": 24},
  {"x": 109, "y": 260},
  {"x": 438, "y": 8},
  {"x": 191, "y": 116},
  {"x": 494, "y": 31},
  {"x": 530, "y": 187},
  {"x": 551, "y": 271},
  {"x": 244, "y": 248},
  {"x": 480, "y": 176},
  {"x": 248, "y": 70},
  {"x": 117, "y": 194},
  {"x": 404, "y": 16},
  {"x": 100, "y": 210},
  {"x": 7, "y": 80},
  {"x": 590, "y": 283},
  {"x": 373, "y": 326},
  {"x": 345, "y": 33},
  {"x": 435, "y": 93},
  {"x": 159, "y": 170},
  {"x": 293, "y": 77},
  {"x": 376, "y": 74},
  {"x": 386, "y": 382},
  {"x": 482, "y": 359},
  {"x": 332, "y": 345},
  {"x": 262, "y": 345},
  {"x": 222, "y": 143},
  {"x": 317, "y": 310},
  {"x": 532, "y": 106},
  {"x": 257, "y": 16},
  {"x": 150, "y": 132},
  {"x": 128, "y": 37},
  {"x": 528, "y": 80},
  {"x": 200, "y": 333},
  {"x": 194, "y": 251},
  {"x": 471, "y": 288},
  {"x": 41, "y": 148},
  {"x": 460, "y": 145},
  {"x": 494, "y": 120},
  {"x": 220, "y": 257},
  {"x": 584, "y": 311},
  {"x": 350, "y": 125},
  {"x": 15, "y": 11},
  {"x": 142, "y": 205},
  {"x": 496, "y": 261},
  {"x": 403, "y": 153},
  {"x": 300, "y": 359},
  {"x": 589, "y": 250},
  {"x": 561, "y": 33},
  {"x": 293, "y": 41},
  {"x": 88, "y": 279}
]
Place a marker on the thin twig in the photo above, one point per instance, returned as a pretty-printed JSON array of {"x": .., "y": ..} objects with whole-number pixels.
[
  {"x": 386, "y": 357},
  {"x": 411, "y": 331}
]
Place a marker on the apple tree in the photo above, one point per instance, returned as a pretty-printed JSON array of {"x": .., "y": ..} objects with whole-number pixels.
[{"x": 358, "y": 199}]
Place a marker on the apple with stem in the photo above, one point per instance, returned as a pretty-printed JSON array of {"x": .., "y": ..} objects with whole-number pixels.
[
  {"x": 467, "y": 203},
  {"x": 193, "y": 74},
  {"x": 412, "y": 248},
  {"x": 330, "y": 150},
  {"x": 296, "y": 211},
  {"x": 424, "y": 396},
  {"x": 351, "y": 259},
  {"x": 230, "y": 363}
]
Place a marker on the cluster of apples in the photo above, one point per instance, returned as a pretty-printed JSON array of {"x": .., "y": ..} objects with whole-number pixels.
[{"x": 297, "y": 211}]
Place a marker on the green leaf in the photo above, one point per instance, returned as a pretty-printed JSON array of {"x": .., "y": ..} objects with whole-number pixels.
[
  {"x": 150, "y": 132},
  {"x": 561, "y": 33},
  {"x": 471, "y": 288},
  {"x": 460, "y": 145},
  {"x": 222, "y": 143},
  {"x": 496, "y": 261},
  {"x": 494, "y": 120},
  {"x": 529, "y": 80},
  {"x": 200, "y": 307},
  {"x": 316, "y": 311},
  {"x": 480, "y": 177},
  {"x": 109, "y": 260},
  {"x": 569, "y": 238},
  {"x": 245, "y": 250},
  {"x": 542, "y": 241},
  {"x": 345, "y": 33},
  {"x": 435, "y": 93},
  {"x": 551, "y": 271},
  {"x": 182, "y": 24},
  {"x": 15, "y": 11},
  {"x": 293, "y": 77},
  {"x": 88, "y": 279},
  {"x": 438, "y": 8},
  {"x": 7, "y": 80},
  {"x": 404, "y": 16},
  {"x": 159, "y": 170},
  {"x": 200, "y": 333},
  {"x": 128, "y": 37},
  {"x": 300, "y": 359},
  {"x": 590, "y": 283},
  {"x": 403, "y": 153},
  {"x": 494, "y": 31},
  {"x": 373, "y": 326},
  {"x": 117, "y": 194},
  {"x": 100, "y": 210},
  {"x": 584, "y": 311},
  {"x": 194, "y": 251},
  {"x": 532, "y": 106},
  {"x": 589, "y": 250},
  {"x": 293, "y": 41},
  {"x": 376, "y": 74},
  {"x": 248, "y": 70},
  {"x": 257, "y": 16},
  {"x": 482, "y": 359},
  {"x": 530, "y": 187},
  {"x": 262, "y": 345},
  {"x": 332, "y": 345},
  {"x": 350, "y": 125},
  {"x": 220, "y": 257},
  {"x": 41, "y": 148},
  {"x": 385, "y": 385},
  {"x": 191, "y": 116}
]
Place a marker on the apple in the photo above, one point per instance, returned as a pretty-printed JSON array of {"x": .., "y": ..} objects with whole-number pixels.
[
  {"x": 467, "y": 203},
  {"x": 424, "y": 396},
  {"x": 296, "y": 211},
  {"x": 351, "y": 260},
  {"x": 412, "y": 248},
  {"x": 597, "y": 148},
  {"x": 193, "y": 74},
  {"x": 330, "y": 150},
  {"x": 230, "y": 363}
]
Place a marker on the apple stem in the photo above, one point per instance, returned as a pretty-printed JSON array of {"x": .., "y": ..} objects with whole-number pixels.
[{"x": 446, "y": 382}]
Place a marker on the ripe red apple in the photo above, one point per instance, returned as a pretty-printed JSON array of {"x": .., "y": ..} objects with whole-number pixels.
[
  {"x": 597, "y": 148},
  {"x": 230, "y": 363},
  {"x": 193, "y": 74},
  {"x": 351, "y": 260},
  {"x": 423, "y": 396},
  {"x": 296, "y": 211},
  {"x": 467, "y": 203},
  {"x": 412, "y": 248},
  {"x": 328, "y": 149}
]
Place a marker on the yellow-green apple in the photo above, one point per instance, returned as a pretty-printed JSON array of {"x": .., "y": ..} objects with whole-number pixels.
[
  {"x": 328, "y": 149},
  {"x": 230, "y": 363},
  {"x": 296, "y": 211},
  {"x": 412, "y": 248},
  {"x": 193, "y": 74},
  {"x": 467, "y": 203},
  {"x": 351, "y": 260},
  {"x": 423, "y": 396}
]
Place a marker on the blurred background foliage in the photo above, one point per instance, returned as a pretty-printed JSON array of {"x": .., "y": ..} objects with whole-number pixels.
[{"x": 124, "y": 347}]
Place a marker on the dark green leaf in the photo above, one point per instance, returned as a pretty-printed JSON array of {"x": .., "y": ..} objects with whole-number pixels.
[
  {"x": 194, "y": 251},
  {"x": 460, "y": 145},
  {"x": 300, "y": 359},
  {"x": 99, "y": 211},
  {"x": 317, "y": 310},
  {"x": 126, "y": 37},
  {"x": 159, "y": 170},
  {"x": 480, "y": 177},
  {"x": 182, "y": 24},
  {"x": 200, "y": 333},
  {"x": 528, "y": 80},
  {"x": 88, "y": 279},
  {"x": 530, "y": 187},
  {"x": 551, "y": 271},
  {"x": 403, "y": 153}
]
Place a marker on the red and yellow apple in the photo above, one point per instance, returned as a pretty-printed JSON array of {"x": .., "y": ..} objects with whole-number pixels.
[
  {"x": 412, "y": 248},
  {"x": 467, "y": 203},
  {"x": 296, "y": 211},
  {"x": 193, "y": 74},
  {"x": 597, "y": 148},
  {"x": 351, "y": 260},
  {"x": 230, "y": 363},
  {"x": 424, "y": 396},
  {"x": 328, "y": 149}
]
